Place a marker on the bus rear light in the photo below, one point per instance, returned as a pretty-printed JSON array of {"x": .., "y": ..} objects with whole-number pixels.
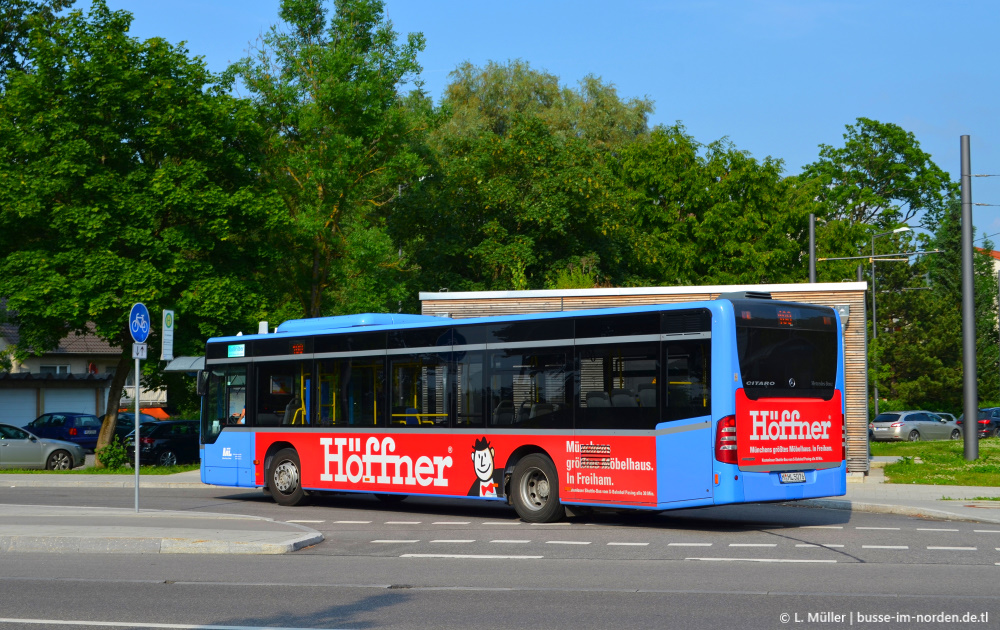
[{"x": 725, "y": 440}]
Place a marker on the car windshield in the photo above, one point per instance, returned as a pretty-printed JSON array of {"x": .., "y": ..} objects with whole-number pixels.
[
  {"x": 886, "y": 417},
  {"x": 88, "y": 421}
]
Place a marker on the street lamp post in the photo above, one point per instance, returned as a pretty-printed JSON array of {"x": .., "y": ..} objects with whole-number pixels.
[{"x": 874, "y": 325}]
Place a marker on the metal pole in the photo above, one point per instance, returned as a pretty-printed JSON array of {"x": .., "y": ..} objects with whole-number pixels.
[
  {"x": 971, "y": 397},
  {"x": 136, "y": 440},
  {"x": 874, "y": 326},
  {"x": 812, "y": 248}
]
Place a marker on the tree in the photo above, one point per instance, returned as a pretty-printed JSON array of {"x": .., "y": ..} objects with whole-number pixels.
[
  {"x": 126, "y": 175},
  {"x": 519, "y": 194},
  {"x": 17, "y": 20},
  {"x": 338, "y": 148},
  {"x": 880, "y": 177}
]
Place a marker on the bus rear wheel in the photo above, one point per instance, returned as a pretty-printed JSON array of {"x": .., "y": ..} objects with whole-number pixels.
[
  {"x": 536, "y": 490},
  {"x": 284, "y": 477}
]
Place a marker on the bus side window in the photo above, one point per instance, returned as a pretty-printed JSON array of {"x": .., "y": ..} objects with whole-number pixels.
[
  {"x": 687, "y": 372},
  {"x": 531, "y": 389},
  {"x": 618, "y": 386},
  {"x": 469, "y": 385},
  {"x": 226, "y": 399},
  {"x": 283, "y": 394},
  {"x": 420, "y": 390},
  {"x": 351, "y": 392}
]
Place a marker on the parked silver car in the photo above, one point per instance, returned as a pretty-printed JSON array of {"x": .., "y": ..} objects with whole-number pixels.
[
  {"x": 21, "y": 449},
  {"x": 913, "y": 426}
]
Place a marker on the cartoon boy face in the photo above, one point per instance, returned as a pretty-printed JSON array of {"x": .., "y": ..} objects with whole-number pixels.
[{"x": 482, "y": 458}]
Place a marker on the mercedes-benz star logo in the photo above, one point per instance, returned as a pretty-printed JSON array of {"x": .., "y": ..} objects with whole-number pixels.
[{"x": 791, "y": 382}]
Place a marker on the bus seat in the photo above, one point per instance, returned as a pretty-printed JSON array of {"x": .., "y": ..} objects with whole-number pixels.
[
  {"x": 504, "y": 413},
  {"x": 541, "y": 409},
  {"x": 623, "y": 398},
  {"x": 647, "y": 394},
  {"x": 598, "y": 399}
]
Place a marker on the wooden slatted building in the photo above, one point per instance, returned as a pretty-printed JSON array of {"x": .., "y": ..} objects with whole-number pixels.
[{"x": 847, "y": 297}]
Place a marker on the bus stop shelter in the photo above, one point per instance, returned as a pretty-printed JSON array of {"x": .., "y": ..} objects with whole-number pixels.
[{"x": 847, "y": 297}]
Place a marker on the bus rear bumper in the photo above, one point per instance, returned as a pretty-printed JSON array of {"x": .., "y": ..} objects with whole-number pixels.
[{"x": 738, "y": 486}]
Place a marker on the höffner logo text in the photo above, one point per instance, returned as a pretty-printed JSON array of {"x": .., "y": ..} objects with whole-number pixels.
[{"x": 787, "y": 425}]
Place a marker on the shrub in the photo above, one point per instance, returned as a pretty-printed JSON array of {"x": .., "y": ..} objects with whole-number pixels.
[{"x": 114, "y": 455}]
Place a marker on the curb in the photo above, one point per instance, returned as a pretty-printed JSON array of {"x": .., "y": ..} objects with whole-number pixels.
[
  {"x": 883, "y": 508},
  {"x": 84, "y": 544}
]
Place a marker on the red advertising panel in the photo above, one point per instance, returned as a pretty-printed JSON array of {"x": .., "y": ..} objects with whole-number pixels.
[
  {"x": 788, "y": 431},
  {"x": 615, "y": 470}
]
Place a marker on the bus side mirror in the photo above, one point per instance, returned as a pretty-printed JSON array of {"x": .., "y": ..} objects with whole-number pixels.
[{"x": 202, "y": 387}]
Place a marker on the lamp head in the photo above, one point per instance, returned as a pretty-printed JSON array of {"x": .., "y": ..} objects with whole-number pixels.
[{"x": 902, "y": 229}]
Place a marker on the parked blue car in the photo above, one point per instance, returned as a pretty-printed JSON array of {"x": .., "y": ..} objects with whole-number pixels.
[{"x": 78, "y": 428}]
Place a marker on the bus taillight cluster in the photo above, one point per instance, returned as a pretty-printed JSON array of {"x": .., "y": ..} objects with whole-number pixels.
[{"x": 725, "y": 440}]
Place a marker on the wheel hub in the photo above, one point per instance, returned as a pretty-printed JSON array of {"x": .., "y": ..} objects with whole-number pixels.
[{"x": 286, "y": 477}]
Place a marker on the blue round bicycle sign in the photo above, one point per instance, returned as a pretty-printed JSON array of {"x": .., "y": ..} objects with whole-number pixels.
[{"x": 139, "y": 323}]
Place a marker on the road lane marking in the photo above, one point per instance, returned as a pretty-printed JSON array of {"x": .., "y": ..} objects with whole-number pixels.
[
  {"x": 305, "y": 521},
  {"x": 567, "y": 542},
  {"x": 468, "y": 556},
  {"x": 884, "y": 547},
  {"x": 627, "y": 544},
  {"x": 451, "y": 522},
  {"x": 753, "y": 544},
  {"x": 953, "y": 548},
  {"x": 818, "y": 545},
  {"x": 895, "y": 529},
  {"x": 402, "y": 522},
  {"x": 501, "y": 523},
  {"x": 352, "y": 522},
  {"x": 566, "y": 524},
  {"x": 689, "y": 544},
  {"x": 821, "y": 527},
  {"x": 58, "y": 623},
  {"x": 796, "y": 560},
  {"x": 511, "y": 542},
  {"x": 987, "y": 531},
  {"x": 453, "y": 541},
  {"x": 395, "y": 541},
  {"x": 935, "y": 529}
]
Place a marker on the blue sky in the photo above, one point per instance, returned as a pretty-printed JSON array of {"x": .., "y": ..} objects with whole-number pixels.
[{"x": 777, "y": 77}]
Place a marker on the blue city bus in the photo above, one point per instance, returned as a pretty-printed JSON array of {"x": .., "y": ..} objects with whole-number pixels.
[{"x": 733, "y": 400}]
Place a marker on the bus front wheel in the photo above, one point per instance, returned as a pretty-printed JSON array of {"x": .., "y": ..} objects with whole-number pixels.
[
  {"x": 536, "y": 490},
  {"x": 284, "y": 477}
]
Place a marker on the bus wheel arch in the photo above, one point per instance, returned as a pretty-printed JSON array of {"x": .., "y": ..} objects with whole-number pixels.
[
  {"x": 283, "y": 472},
  {"x": 518, "y": 454},
  {"x": 535, "y": 489}
]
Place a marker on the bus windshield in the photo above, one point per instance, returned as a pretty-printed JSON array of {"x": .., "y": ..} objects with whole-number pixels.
[{"x": 786, "y": 350}]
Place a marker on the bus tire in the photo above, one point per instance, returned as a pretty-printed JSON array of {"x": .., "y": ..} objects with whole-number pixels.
[
  {"x": 536, "y": 490},
  {"x": 391, "y": 498},
  {"x": 284, "y": 477}
]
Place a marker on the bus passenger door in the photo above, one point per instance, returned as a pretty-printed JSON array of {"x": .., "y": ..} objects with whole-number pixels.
[{"x": 684, "y": 440}]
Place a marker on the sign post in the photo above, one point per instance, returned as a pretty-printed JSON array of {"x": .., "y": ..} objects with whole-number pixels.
[
  {"x": 167, "y": 337},
  {"x": 139, "y": 325}
]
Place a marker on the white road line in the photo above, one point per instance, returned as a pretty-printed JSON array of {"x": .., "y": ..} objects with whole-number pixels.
[
  {"x": 689, "y": 544},
  {"x": 511, "y": 542},
  {"x": 566, "y": 524},
  {"x": 987, "y": 531},
  {"x": 402, "y": 522},
  {"x": 895, "y": 529},
  {"x": 305, "y": 521},
  {"x": 352, "y": 522},
  {"x": 829, "y": 546},
  {"x": 935, "y": 529},
  {"x": 821, "y": 527},
  {"x": 56, "y": 623},
  {"x": 626, "y": 544},
  {"x": 451, "y": 522},
  {"x": 760, "y": 560},
  {"x": 453, "y": 541},
  {"x": 567, "y": 542},
  {"x": 466, "y": 556},
  {"x": 501, "y": 523},
  {"x": 753, "y": 544},
  {"x": 953, "y": 548},
  {"x": 395, "y": 541},
  {"x": 884, "y": 547}
]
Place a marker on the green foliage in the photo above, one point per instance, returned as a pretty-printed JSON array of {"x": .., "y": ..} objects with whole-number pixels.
[
  {"x": 942, "y": 463},
  {"x": 126, "y": 175},
  {"x": 19, "y": 19},
  {"x": 880, "y": 177},
  {"x": 338, "y": 150},
  {"x": 114, "y": 456}
]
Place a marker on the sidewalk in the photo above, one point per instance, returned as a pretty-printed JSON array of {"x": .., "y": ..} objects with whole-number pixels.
[{"x": 118, "y": 530}]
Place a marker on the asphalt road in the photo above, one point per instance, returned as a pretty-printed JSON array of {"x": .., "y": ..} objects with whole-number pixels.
[{"x": 447, "y": 564}]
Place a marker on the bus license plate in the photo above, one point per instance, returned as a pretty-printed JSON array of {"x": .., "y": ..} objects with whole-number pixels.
[{"x": 793, "y": 477}]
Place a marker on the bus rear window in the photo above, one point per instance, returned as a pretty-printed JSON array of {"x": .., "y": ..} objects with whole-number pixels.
[{"x": 786, "y": 350}]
